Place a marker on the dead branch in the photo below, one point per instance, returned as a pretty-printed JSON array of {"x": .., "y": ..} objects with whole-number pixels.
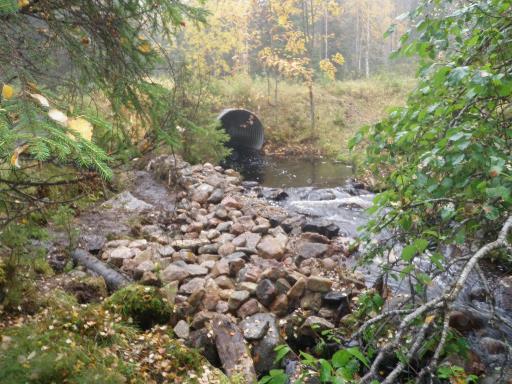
[{"x": 432, "y": 308}]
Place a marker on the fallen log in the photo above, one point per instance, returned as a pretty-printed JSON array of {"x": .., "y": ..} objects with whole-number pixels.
[
  {"x": 232, "y": 349},
  {"x": 113, "y": 278}
]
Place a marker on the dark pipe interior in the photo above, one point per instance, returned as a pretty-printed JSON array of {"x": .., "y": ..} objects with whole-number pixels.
[{"x": 244, "y": 129}]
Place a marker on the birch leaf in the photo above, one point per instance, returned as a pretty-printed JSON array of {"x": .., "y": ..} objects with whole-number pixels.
[
  {"x": 58, "y": 117},
  {"x": 7, "y": 91},
  {"x": 43, "y": 101},
  {"x": 82, "y": 126},
  {"x": 16, "y": 155}
]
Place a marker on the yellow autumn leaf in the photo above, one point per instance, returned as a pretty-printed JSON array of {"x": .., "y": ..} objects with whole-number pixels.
[
  {"x": 23, "y": 3},
  {"x": 16, "y": 155},
  {"x": 145, "y": 47},
  {"x": 58, "y": 117},
  {"x": 429, "y": 319},
  {"x": 82, "y": 126},
  {"x": 7, "y": 92}
]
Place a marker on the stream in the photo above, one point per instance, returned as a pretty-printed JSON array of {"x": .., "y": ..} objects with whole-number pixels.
[{"x": 325, "y": 191}]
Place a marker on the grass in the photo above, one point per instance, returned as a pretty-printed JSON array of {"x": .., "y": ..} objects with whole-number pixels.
[{"x": 342, "y": 107}]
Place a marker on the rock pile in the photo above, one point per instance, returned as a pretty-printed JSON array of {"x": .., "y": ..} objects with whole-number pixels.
[{"x": 224, "y": 252}]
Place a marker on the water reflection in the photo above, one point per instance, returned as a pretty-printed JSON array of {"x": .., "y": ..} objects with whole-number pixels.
[{"x": 288, "y": 172}]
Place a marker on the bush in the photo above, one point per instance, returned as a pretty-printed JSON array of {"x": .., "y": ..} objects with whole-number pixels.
[{"x": 145, "y": 306}]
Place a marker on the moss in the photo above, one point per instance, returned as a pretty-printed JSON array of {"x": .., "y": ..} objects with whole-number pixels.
[
  {"x": 144, "y": 305},
  {"x": 35, "y": 354},
  {"x": 41, "y": 267}
]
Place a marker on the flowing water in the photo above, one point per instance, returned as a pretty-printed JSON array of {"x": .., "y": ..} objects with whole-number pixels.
[{"x": 324, "y": 191}]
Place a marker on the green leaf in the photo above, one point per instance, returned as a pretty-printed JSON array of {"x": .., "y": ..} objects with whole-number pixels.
[
  {"x": 354, "y": 351},
  {"x": 408, "y": 252}
]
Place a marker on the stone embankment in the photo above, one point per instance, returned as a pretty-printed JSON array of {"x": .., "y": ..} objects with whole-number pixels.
[{"x": 225, "y": 258}]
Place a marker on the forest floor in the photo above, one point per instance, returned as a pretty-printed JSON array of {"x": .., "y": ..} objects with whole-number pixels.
[{"x": 342, "y": 107}]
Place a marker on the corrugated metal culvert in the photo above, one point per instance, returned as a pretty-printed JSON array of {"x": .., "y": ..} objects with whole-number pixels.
[{"x": 244, "y": 128}]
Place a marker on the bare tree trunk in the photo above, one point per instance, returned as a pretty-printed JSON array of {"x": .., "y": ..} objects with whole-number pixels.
[
  {"x": 367, "y": 56},
  {"x": 359, "y": 41},
  {"x": 326, "y": 35},
  {"x": 312, "y": 107}
]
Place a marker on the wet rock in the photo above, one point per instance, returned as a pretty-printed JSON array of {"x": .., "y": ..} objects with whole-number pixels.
[
  {"x": 327, "y": 229},
  {"x": 306, "y": 250},
  {"x": 311, "y": 300},
  {"x": 280, "y": 305},
  {"x": 250, "y": 307},
  {"x": 264, "y": 350},
  {"x": 248, "y": 286},
  {"x": 195, "y": 270},
  {"x": 145, "y": 266},
  {"x": 231, "y": 203},
  {"x": 173, "y": 273},
  {"x": 282, "y": 285},
  {"x": 335, "y": 299},
  {"x": 235, "y": 266},
  {"x": 255, "y": 327},
  {"x": 272, "y": 247},
  {"x": 208, "y": 249},
  {"x": 150, "y": 278},
  {"x": 297, "y": 290},
  {"x": 182, "y": 330},
  {"x": 318, "y": 284},
  {"x": 493, "y": 346},
  {"x": 201, "y": 318},
  {"x": 191, "y": 244},
  {"x": 222, "y": 307},
  {"x": 276, "y": 194},
  {"x": 321, "y": 195},
  {"x": 265, "y": 292},
  {"x": 247, "y": 239},
  {"x": 169, "y": 292},
  {"x": 221, "y": 267},
  {"x": 224, "y": 282},
  {"x": 203, "y": 341},
  {"x": 466, "y": 321},
  {"x": 225, "y": 226},
  {"x": 202, "y": 193},
  {"x": 195, "y": 298},
  {"x": 165, "y": 250},
  {"x": 314, "y": 325},
  {"x": 237, "y": 298},
  {"x": 118, "y": 255},
  {"x": 126, "y": 201},
  {"x": 504, "y": 296},
  {"x": 293, "y": 224},
  {"x": 226, "y": 249},
  {"x": 216, "y": 196},
  {"x": 210, "y": 299},
  {"x": 250, "y": 273},
  {"x": 93, "y": 243},
  {"x": 191, "y": 286},
  {"x": 155, "y": 233}
]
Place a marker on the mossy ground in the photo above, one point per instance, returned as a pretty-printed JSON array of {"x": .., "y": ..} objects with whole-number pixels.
[
  {"x": 67, "y": 342},
  {"x": 145, "y": 306}
]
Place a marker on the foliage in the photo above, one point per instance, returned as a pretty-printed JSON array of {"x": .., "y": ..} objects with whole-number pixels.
[
  {"x": 145, "y": 306},
  {"x": 342, "y": 367},
  {"x": 444, "y": 157}
]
